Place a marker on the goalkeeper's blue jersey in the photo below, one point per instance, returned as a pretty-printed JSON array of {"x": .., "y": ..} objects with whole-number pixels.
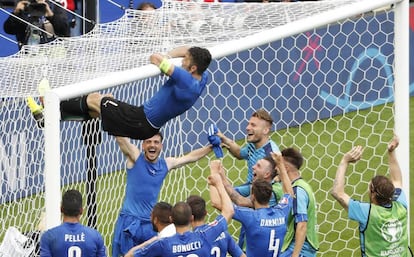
[
  {"x": 72, "y": 239},
  {"x": 176, "y": 96},
  {"x": 265, "y": 227},
  {"x": 198, "y": 243},
  {"x": 252, "y": 155}
]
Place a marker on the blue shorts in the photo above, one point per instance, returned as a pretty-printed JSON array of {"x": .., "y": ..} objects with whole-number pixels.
[{"x": 130, "y": 231}]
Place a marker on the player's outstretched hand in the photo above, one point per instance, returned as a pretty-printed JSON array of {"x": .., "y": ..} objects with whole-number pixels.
[
  {"x": 214, "y": 179},
  {"x": 354, "y": 154},
  {"x": 393, "y": 144},
  {"x": 277, "y": 157},
  {"x": 215, "y": 167}
]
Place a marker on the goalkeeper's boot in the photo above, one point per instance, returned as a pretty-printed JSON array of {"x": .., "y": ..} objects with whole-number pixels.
[{"x": 37, "y": 111}]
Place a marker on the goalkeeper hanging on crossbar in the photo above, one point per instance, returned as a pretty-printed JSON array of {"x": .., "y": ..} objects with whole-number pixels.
[{"x": 178, "y": 94}]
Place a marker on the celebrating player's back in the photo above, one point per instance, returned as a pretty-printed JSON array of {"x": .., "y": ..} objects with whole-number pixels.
[
  {"x": 224, "y": 243},
  {"x": 72, "y": 238},
  {"x": 265, "y": 226},
  {"x": 185, "y": 242}
]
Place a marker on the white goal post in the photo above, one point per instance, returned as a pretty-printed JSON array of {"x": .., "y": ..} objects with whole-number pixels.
[{"x": 332, "y": 73}]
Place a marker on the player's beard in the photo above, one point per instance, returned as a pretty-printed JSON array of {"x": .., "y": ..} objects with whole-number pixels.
[{"x": 253, "y": 139}]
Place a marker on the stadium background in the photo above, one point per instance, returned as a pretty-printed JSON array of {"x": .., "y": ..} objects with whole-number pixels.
[{"x": 108, "y": 12}]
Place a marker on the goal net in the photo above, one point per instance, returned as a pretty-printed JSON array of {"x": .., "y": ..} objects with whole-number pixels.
[{"x": 325, "y": 70}]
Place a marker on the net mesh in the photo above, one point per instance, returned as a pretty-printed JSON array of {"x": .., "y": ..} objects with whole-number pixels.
[
  {"x": 327, "y": 89},
  {"x": 128, "y": 42}
]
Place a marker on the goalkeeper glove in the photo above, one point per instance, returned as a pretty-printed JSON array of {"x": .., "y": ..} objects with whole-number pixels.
[
  {"x": 215, "y": 141},
  {"x": 37, "y": 111}
]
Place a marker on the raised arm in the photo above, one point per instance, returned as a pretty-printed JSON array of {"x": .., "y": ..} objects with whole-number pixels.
[
  {"x": 193, "y": 156},
  {"x": 161, "y": 60},
  {"x": 215, "y": 199},
  {"x": 237, "y": 198},
  {"x": 283, "y": 176},
  {"x": 130, "y": 150},
  {"x": 215, "y": 183},
  {"x": 395, "y": 171},
  {"x": 232, "y": 146},
  {"x": 178, "y": 51},
  {"x": 49, "y": 12},
  {"x": 131, "y": 251},
  {"x": 338, "y": 190}
]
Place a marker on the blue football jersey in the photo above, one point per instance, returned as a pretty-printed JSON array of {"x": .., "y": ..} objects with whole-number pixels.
[
  {"x": 265, "y": 227},
  {"x": 144, "y": 182},
  {"x": 223, "y": 244},
  {"x": 72, "y": 240},
  {"x": 191, "y": 244},
  {"x": 252, "y": 155},
  {"x": 176, "y": 96}
]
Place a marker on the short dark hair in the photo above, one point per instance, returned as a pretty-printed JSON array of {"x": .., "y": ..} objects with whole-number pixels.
[
  {"x": 143, "y": 5},
  {"x": 201, "y": 58},
  {"x": 158, "y": 134},
  {"x": 181, "y": 214},
  {"x": 262, "y": 191},
  {"x": 383, "y": 189},
  {"x": 272, "y": 165},
  {"x": 72, "y": 203},
  {"x": 293, "y": 156},
  {"x": 198, "y": 207},
  {"x": 163, "y": 211}
]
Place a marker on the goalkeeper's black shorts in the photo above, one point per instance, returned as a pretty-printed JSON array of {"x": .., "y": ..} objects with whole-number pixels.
[{"x": 122, "y": 119}]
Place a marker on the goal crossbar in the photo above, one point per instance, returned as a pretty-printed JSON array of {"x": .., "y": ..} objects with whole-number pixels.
[{"x": 229, "y": 47}]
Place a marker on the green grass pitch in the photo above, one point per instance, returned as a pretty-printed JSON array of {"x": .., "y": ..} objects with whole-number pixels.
[{"x": 315, "y": 138}]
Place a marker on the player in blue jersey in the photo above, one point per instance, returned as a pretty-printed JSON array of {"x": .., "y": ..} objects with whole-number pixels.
[
  {"x": 187, "y": 242},
  {"x": 258, "y": 145},
  {"x": 72, "y": 238},
  {"x": 160, "y": 219},
  {"x": 179, "y": 93},
  {"x": 264, "y": 169},
  {"x": 265, "y": 226},
  {"x": 224, "y": 243},
  {"x": 145, "y": 175},
  {"x": 161, "y": 223},
  {"x": 383, "y": 221}
]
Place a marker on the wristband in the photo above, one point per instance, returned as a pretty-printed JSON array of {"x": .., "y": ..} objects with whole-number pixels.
[{"x": 165, "y": 65}]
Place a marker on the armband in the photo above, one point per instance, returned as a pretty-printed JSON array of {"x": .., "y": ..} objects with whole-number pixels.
[{"x": 165, "y": 65}]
